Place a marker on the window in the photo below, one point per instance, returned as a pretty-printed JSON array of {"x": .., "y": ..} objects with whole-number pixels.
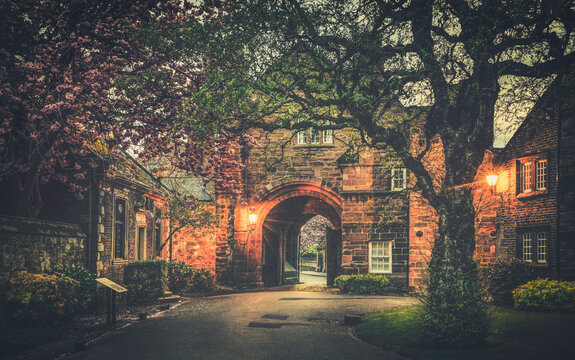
[
  {"x": 141, "y": 243},
  {"x": 158, "y": 238},
  {"x": 533, "y": 245},
  {"x": 312, "y": 136},
  {"x": 302, "y": 137},
  {"x": 120, "y": 228},
  {"x": 380, "y": 257},
  {"x": 398, "y": 179},
  {"x": 328, "y": 136},
  {"x": 533, "y": 175},
  {"x": 541, "y": 175}
]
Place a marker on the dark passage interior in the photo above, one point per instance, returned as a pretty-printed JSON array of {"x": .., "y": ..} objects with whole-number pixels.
[{"x": 281, "y": 248}]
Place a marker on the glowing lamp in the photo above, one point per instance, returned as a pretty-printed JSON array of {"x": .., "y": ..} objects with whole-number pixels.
[
  {"x": 491, "y": 180},
  {"x": 253, "y": 218}
]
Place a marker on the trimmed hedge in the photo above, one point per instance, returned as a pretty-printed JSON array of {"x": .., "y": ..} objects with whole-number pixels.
[
  {"x": 145, "y": 279},
  {"x": 361, "y": 284},
  {"x": 180, "y": 276},
  {"x": 504, "y": 276},
  {"x": 203, "y": 280},
  {"x": 545, "y": 295},
  {"x": 43, "y": 297}
]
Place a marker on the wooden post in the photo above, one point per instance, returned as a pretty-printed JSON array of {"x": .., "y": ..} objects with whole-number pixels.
[
  {"x": 108, "y": 306},
  {"x": 112, "y": 289},
  {"x": 114, "y": 312}
]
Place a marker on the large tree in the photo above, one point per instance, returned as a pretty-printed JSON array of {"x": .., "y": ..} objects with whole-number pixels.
[
  {"x": 73, "y": 71},
  {"x": 398, "y": 69}
]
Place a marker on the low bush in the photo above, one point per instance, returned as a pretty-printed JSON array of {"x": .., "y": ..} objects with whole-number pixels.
[
  {"x": 203, "y": 280},
  {"x": 361, "y": 284},
  {"x": 504, "y": 276},
  {"x": 545, "y": 295},
  {"x": 87, "y": 295},
  {"x": 145, "y": 279},
  {"x": 180, "y": 276},
  {"x": 43, "y": 297}
]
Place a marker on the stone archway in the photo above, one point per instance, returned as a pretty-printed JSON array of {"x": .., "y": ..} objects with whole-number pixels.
[{"x": 265, "y": 251}]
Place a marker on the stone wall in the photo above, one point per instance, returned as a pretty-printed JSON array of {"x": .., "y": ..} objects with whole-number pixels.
[
  {"x": 360, "y": 177},
  {"x": 29, "y": 245}
]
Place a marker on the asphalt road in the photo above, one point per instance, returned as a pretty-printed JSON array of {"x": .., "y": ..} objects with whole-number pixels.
[{"x": 260, "y": 325}]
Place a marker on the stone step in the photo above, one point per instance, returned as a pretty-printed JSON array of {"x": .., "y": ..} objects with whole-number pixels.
[
  {"x": 169, "y": 299},
  {"x": 168, "y": 293}
]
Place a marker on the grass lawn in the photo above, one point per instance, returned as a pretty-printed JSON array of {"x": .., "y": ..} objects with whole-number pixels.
[{"x": 512, "y": 335}]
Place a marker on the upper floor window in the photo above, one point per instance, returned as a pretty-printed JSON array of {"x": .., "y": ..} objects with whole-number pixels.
[
  {"x": 398, "y": 179},
  {"x": 533, "y": 245},
  {"x": 533, "y": 175},
  {"x": 312, "y": 136},
  {"x": 302, "y": 137}
]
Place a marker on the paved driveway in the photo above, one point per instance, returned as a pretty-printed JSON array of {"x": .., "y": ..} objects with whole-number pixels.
[{"x": 261, "y": 325}]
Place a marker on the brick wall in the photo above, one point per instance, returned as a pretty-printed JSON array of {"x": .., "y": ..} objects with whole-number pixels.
[
  {"x": 565, "y": 112},
  {"x": 537, "y": 135}
]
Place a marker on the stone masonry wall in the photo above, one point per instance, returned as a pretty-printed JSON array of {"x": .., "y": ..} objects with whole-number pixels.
[
  {"x": 370, "y": 211},
  {"x": 29, "y": 245}
]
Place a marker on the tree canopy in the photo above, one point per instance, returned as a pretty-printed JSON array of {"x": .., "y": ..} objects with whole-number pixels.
[
  {"x": 398, "y": 71},
  {"x": 73, "y": 72}
]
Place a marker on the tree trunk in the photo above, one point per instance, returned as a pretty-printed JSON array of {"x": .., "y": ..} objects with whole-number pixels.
[
  {"x": 29, "y": 200},
  {"x": 455, "y": 309}
]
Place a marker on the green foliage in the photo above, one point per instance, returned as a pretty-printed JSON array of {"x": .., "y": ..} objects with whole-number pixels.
[
  {"x": 361, "y": 284},
  {"x": 43, "y": 297},
  {"x": 512, "y": 335},
  {"x": 145, "y": 279},
  {"x": 311, "y": 250},
  {"x": 180, "y": 276},
  {"x": 87, "y": 296},
  {"x": 504, "y": 276},
  {"x": 545, "y": 295},
  {"x": 455, "y": 311},
  {"x": 203, "y": 280}
]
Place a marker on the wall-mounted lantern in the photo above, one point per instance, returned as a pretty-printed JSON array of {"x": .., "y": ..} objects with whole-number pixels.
[
  {"x": 253, "y": 218},
  {"x": 492, "y": 179}
]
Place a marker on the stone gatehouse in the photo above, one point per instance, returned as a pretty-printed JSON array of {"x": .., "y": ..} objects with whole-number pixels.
[{"x": 378, "y": 225}]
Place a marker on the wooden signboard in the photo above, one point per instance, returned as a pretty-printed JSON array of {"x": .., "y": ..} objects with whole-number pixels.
[
  {"x": 112, "y": 285},
  {"x": 111, "y": 290}
]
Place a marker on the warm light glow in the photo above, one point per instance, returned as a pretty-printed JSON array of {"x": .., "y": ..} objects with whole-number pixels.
[
  {"x": 492, "y": 180},
  {"x": 253, "y": 219}
]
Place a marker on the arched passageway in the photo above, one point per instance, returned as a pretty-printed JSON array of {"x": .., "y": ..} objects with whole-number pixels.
[{"x": 281, "y": 239}]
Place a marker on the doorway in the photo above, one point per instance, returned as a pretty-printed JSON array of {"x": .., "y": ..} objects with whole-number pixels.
[{"x": 290, "y": 233}]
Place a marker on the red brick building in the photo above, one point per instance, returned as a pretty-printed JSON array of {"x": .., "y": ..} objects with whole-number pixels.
[{"x": 536, "y": 188}]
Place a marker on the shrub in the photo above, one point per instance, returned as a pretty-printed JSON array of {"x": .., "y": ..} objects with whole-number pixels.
[
  {"x": 145, "y": 279},
  {"x": 504, "y": 276},
  {"x": 43, "y": 297},
  {"x": 361, "y": 284},
  {"x": 88, "y": 286},
  {"x": 454, "y": 307},
  {"x": 180, "y": 276},
  {"x": 545, "y": 295},
  {"x": 203, "y": 280}
]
